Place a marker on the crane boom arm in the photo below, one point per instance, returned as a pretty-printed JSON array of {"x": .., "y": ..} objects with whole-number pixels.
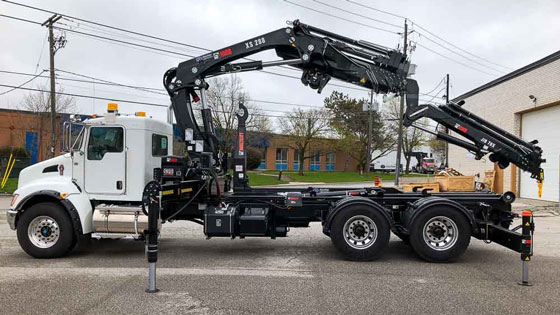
[{"x": 322, "y": 55}]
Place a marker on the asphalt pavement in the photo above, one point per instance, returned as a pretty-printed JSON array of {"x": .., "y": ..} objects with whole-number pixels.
[{"x": 300, "y": 274}]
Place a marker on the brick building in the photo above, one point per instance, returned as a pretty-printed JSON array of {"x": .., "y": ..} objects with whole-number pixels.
[
  {"x": 525, "y": 102},
  {"x": 29, "y": 130},
  {"x": 279, "y": 154}
]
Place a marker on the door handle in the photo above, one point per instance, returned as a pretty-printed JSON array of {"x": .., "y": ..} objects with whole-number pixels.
[{"x": 119, "y": 184}]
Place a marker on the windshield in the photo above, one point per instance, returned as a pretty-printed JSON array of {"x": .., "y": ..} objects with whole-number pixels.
[{"x": 429, "y": 160}]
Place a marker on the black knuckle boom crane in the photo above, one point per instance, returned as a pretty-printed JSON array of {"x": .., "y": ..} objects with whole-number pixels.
[{"x": 438, "y": 226}]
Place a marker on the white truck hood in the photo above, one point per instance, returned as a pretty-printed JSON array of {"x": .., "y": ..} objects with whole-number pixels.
[{"x": 47, "y": 169}]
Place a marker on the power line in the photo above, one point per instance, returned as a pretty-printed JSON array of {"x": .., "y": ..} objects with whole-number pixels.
[
  {"x": 449, "y": 58},
  {"x": 104, "y": 25},
  {"x": 84, "y": 96},
  {"x": 341, "y": 18},
  {"x": 455, "y": 46},
  {"x": 149, "y": 90},
  {"x": 151, "y": 104},
  {"x": 428, "y": 38},
  {"x": 429, "y": 32},
  {"x": 353, "y": 13},
  {"x": 69, "y": 17},
  {"x": 440, "y": 82},
  {"x": 167, "y": 51},
  {"x": 24, "y": 83},
  {"x": 42, "y": 49},
  {"x": 458, "y": 54},
  {"x": 94, "y": 80},
  {"x": 378, "y": 10}
]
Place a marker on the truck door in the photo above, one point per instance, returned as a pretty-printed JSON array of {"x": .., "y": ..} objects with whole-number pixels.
[{"x": 105, "y": 164}]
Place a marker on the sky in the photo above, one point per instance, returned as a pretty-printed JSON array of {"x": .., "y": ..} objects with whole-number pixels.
[{"x": 473, "y": 41}]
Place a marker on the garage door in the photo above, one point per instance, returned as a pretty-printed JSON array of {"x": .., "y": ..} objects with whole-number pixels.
[{"x": 543, "y": 125}]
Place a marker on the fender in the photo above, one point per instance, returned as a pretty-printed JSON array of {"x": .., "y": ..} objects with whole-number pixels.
[
  {"x": 351, "y": 201},
  {"x": 425, "y": 203},
  {"x": 80, "y": 227}
]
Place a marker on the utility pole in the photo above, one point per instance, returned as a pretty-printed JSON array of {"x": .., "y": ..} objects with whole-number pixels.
[
  {"x": 52, "y": 50},
  {"x": 401, "y": 113},
  {"x": 446, "y": 130},
  {"x": 370, "y": 127}
]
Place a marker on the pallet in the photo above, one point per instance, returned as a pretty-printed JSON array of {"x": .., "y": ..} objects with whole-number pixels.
[{"x": 455, "y": 183}]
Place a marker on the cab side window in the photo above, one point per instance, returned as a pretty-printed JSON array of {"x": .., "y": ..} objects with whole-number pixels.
[
  {"x": 104, "y": 140},
  {"x": 159, "y": 145}
]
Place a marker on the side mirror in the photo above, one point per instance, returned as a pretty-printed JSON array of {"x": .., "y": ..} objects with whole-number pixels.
[{"x": 66, "y": 136}]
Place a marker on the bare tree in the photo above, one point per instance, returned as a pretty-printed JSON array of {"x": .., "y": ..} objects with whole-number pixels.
[
  {"x": 39, "y": 104},
  {"x": 351, "y": 124},
  {"x": 412, "y": 137},
  {"x": 304, "y": 128},
  {"x": 224, "y": 96}
]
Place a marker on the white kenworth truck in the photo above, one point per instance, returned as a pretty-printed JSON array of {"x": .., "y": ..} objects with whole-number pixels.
[
  {"x": 94, "y": 187},
  {"x": 119, "y": 176}
]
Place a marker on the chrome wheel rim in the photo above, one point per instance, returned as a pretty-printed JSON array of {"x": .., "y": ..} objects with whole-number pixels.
[
  {"x": 43, "y": 232},
  {"x": 440, "y": 233},
  {"x": 360, "y": 232}
]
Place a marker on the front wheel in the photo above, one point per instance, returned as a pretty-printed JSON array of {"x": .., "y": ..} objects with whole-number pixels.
[
  {"x": 360, "y": 233},
  {"x": 45, "y": 231},
  {"x": 440, "y": 234}
]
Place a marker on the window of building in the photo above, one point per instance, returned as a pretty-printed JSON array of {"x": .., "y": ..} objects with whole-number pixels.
[
  {"x": 159, "y": 145},
  {"x": 330, "y": 165},
  {"x": 281, "y": 159},
  {"x": 315, "y": 164},
  {"x": 296, "y": 160},
  {"x": 104, "y": 140}
]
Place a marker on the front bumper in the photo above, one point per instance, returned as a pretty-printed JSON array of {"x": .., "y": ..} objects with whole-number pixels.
[{"x": 11, "y": 218}]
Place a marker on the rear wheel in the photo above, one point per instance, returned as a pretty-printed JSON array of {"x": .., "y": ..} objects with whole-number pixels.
[
  {"x": 45, "y": 231},
  {"x": 440, "y": 234},
  {"x": 360, "y": 233}
]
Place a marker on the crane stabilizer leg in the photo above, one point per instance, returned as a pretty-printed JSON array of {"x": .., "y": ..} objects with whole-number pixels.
[{"x": 151, "y": 197}]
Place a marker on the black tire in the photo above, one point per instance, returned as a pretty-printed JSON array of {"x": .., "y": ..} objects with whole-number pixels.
[
  {"x": 356, "y": 214},
  {"x": 454, "y": 221},
  {"x": 62, "y": 227}
]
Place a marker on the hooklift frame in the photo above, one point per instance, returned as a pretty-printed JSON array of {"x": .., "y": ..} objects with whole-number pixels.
[{"x": 438, "y": 226}]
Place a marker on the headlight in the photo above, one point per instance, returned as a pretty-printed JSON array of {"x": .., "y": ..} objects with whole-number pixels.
[{"x": 14, "y": 199}]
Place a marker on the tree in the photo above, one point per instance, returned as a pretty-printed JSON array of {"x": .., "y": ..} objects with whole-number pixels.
[
  {"x": 304, "y": 128},
  {"x": 412, "y": 138},
  {"x": 39, "y": 104},
  {"x": 224, "y": 96},
  {"x": 254, "y": 157},
  {"x": 351, "y": 124}
]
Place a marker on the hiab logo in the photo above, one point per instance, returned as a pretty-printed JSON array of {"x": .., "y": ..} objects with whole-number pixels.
[{"x": 225, "y": 52}]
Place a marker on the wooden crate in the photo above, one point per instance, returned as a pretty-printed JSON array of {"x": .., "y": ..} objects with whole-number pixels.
[
  {"x": 409, "y": 187},
  {"x": 455, "y": 183}
]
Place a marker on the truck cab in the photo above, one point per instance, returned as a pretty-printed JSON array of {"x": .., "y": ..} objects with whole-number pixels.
[{"x": 95, "y": 186}]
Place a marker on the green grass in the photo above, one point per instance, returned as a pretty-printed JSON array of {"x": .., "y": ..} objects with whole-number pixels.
[
  {"x": 337, "y": 177},
  {"x": 256, "y": 179},
  {"x": 11, "y": 185}
]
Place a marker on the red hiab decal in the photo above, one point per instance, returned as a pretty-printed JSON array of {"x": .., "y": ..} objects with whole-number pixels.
[
  {"x": 225, "y": 52},
  {"x": 462, "y": 129},
  {"x": 241, "y": 137}
]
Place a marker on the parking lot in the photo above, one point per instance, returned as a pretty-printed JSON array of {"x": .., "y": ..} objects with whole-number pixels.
[{"x": 300, "y": 274}]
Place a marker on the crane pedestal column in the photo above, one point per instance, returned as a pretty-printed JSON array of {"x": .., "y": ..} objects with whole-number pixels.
[{"x": 526, "y": 246}]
